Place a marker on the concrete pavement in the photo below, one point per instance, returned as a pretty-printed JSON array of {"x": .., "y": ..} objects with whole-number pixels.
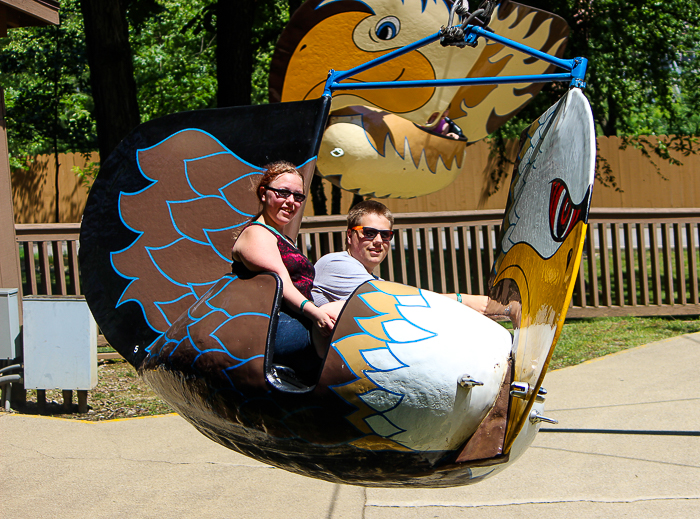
[{"x": 627, "y": 445}]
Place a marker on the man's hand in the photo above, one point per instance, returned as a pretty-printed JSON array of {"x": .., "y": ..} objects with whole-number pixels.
[{"x": 478, "y": 303}]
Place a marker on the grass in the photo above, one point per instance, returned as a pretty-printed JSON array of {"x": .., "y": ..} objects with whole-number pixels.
[
  {"x": 120, "y": 393},
  {"x": 585, "y": 339}
]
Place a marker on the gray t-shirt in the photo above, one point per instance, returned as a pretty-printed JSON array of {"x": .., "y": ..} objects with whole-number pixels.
[{"x": 337, "y": 276}]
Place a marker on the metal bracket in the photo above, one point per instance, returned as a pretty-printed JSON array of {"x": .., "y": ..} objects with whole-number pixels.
[
  {"x": 520, "y": 389},
  {"x": 541, "y": 394},
  {"x": 467, "y": 381},
  {"x": 575, "y": 68},
  {"x": 536, "y": 417}
]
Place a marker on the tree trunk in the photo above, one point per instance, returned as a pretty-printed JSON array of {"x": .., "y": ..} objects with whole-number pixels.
[
  {"x": 609, "y": 124},
  {"x": 111, "y": 71},
  {"x": 55, "y": 124},
  {"x": 356, "y": 199},
  {"x": 234, "y": 52},
  {"x": 57, "y": 195}
]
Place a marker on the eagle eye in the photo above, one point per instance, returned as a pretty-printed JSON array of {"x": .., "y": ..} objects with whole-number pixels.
[{"x": 387, "y": 28}]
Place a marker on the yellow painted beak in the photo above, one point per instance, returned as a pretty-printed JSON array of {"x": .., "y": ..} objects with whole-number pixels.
[{"x": 545, "y": 287}]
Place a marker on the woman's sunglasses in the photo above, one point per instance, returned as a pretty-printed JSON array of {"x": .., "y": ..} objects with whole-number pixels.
[
  {"x": 370, "y": 233},
  {"x": 284, "y": 193}
]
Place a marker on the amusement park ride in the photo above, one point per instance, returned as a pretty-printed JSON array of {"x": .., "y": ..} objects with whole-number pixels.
[{"x": 415, "y": 389}]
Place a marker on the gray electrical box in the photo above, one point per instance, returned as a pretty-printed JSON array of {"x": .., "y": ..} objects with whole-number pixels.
[
  {"x": 60, "y": 343},
  {"x": 10, "y": 346}
]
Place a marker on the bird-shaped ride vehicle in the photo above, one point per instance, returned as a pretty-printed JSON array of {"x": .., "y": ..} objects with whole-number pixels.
[{"x": 414, "y": 388}]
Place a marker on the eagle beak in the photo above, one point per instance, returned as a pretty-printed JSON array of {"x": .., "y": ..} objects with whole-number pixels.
[{"x": 545, "y": 286}]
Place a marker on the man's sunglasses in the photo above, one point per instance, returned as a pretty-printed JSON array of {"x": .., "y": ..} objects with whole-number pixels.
[
  {"x": 284, "y": 193},
  {"x": 370, "y": 233}
]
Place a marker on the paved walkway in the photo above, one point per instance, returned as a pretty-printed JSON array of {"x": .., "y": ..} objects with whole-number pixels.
[{"x": 627, "y": 445}]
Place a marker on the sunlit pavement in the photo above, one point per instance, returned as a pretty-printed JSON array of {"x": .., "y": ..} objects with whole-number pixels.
[{"x": 627, "y": 445}]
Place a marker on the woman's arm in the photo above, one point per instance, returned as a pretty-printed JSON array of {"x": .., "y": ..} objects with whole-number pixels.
[{"x": 257, "y": 248}]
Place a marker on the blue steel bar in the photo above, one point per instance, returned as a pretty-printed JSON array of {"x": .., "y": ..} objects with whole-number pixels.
[
  {"x": 539, "y": 78},
  {"x": 340, "y": 75},
  {"x": 566, "y": 64},
  {"x": 577, "y": 66}
]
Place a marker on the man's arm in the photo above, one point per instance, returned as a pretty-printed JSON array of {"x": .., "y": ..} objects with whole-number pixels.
[{"x": 337, "y": 277}]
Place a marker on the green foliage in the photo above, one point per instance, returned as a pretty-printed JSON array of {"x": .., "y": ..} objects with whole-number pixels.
[
  {"x": 643, "y": 64},
  {"x": 174, "y": 58},
  {"x": 87, "y": 174},
  {"x": 47, "y": 88},
  {"x": 270, "y": 18},
  {"x": 45, "y": 74},
  {"x": 175, "y": 54}
]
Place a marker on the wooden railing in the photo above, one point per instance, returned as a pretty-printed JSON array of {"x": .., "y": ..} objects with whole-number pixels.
[
  {"x": 46, "y": 250},
  {"x": 635, "y": 262},
  {"x": 449, "y": 263},
  {"x": 639, "y": 262}
]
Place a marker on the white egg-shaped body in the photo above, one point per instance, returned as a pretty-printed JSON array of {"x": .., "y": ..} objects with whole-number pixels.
[{"x": 413, "y": 357}]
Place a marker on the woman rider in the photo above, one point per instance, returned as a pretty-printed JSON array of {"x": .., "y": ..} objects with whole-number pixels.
[{"x": 262, "y": 246}]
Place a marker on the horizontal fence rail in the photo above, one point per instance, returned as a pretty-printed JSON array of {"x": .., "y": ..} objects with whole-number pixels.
[
  {"x": 443, "y": 252},
  {"x": 635, "y": 261}
]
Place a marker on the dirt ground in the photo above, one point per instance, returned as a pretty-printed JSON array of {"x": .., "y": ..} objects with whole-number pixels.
[{"x": 120, "y": 393}]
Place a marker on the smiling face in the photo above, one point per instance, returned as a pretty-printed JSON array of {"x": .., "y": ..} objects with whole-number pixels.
[
  {"x": 277, "y": 210},
  {"x": 369, "y": 252}
]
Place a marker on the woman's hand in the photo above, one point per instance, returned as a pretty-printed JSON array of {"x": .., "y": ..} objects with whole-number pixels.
[
  {"x": 323, "y": 319},
  {"x": 333, "y": 309}
]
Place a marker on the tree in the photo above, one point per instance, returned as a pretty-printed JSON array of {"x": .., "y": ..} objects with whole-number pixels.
[
  {"x": 45, "y": 76},
  {"x": 271, "y": 16},
  {"x": 205, "y": 53},
  {"x": 47, "y": 91},
  {"x": 111, "y": 71},
  {"x": 644, "y": 59},
  {"x": 245, "y": 32},
  {"x": 234, "y": 51},
  {"x": 174, "y": 57}
]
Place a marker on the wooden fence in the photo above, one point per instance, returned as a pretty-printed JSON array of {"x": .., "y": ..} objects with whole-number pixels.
[
  {"x": 638, "y": 185},
  {"x": 636, "y": 261}
]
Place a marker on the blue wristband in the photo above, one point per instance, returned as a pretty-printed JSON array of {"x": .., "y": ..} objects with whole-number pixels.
[
  {"x": 301, "y": 308},
  {"x": 459, "y": 297}
]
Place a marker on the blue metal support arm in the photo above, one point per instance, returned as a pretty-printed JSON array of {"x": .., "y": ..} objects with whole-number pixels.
[
  {"x": 566, "y": 64},
  {"x": 334, "y": 77},
  {"x": 536, "y": 78},
  {"x": 576, "y": 68}
]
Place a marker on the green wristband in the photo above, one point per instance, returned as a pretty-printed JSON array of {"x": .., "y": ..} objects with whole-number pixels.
[{"x": 301, "y": 308}]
